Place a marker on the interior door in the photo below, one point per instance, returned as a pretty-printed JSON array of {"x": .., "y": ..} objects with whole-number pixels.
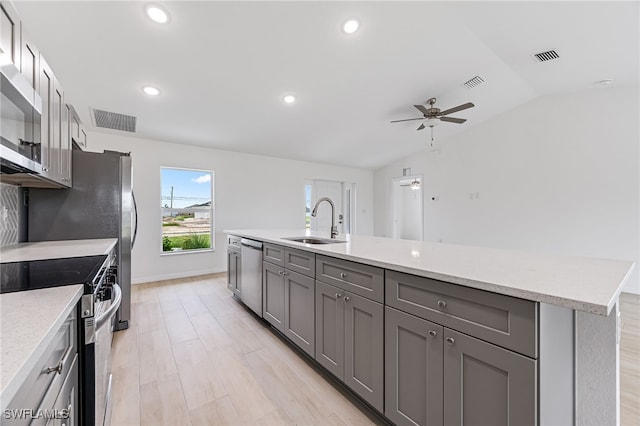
[{"x": 333, "y": 190}]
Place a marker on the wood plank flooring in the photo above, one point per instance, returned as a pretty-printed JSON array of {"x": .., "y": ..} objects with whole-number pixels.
[{"x": 194, "y": 356}]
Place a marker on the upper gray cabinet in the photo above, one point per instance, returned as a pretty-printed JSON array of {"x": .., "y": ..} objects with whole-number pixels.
[
  {"x": 77, "y": 130},
  {"x": 30, "y": 63},
  {"x": 10, "y": 27}
]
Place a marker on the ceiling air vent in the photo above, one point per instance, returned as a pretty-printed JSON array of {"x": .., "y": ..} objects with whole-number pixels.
[
  {"x": 475, "y": 81},
  {"x": 113, "y": 120},
  {"x": 547, "y": 56}
]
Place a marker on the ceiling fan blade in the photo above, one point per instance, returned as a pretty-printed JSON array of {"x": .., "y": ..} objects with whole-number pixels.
[
  {"x": 453, "y": 120},
  {"x": 421, "y": 127},
  {"x": 458, "y": 108},
  {"x": 422, "y": 109},
  {"x": 408, "y": 119}
]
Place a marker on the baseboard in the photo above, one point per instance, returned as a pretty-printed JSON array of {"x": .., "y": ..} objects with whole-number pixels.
[{"x": 186, "y": 274}]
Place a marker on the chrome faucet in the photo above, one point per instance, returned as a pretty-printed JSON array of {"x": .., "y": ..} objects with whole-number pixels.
[{"x": 334, "y": 228}]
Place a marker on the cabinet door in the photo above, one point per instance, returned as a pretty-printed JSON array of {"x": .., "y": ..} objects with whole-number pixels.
[
  {"x": 30, "y": 63},
  {"x": 299, "y": 317},
  {"x": 273, "y": 294},
  {"x": 65, "y": 147},
  {"x": 57, "y": 124},
  {"x": 46, "y": 123},
  {"x": 10, "y": 32},
  {"x": 232, "y": 271},
  {"x": 413, "y": 370},
  {"x": 330, "y": 328},
  {"x": 67, "y": 401},
  {"x": 487, "y": 385},
  {"x": 364, "y": 348}
]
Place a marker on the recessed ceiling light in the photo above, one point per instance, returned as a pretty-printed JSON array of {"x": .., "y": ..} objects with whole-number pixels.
[
  {"x": 289, "y": 99},
  {"x": 151, "y": 91},
  {"x": 606, "y": 82},
  {"x": 157, "y": 14},
  {"x": 351, "y": 26}
]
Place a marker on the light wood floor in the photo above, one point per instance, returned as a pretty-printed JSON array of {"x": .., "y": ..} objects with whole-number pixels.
[{"x": 194, "y": 356}]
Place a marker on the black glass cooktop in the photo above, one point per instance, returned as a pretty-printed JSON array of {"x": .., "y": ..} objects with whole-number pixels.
[{"x": 36, "y": 274}]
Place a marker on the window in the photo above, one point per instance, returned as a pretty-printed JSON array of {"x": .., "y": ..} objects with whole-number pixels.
[{"x": 186, "y": 204}]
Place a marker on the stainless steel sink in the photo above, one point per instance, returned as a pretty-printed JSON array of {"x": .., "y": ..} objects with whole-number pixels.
[{"x": 314, "y": 240}]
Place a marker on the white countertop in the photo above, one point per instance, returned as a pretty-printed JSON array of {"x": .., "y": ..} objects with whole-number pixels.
[
  {"x": 580, "y": 283},
  {"x": 29, "y": 321},
  {"x": 56, "y": 249}
]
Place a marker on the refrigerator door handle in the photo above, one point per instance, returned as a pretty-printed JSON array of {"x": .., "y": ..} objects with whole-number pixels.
[{"x": 135, "y": 212}]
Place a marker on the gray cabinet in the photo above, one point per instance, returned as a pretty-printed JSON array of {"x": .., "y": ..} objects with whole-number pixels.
[
  {"x": 55, "y": 143},
  {"x": 273, "y": 295},
  {"x": 233, "y": 269},
  {"x": 288, "y": 296},
  {"x": 486, "y": 383},
  {"x": 53, "y": 380},
  {"x": 30, "y": 62},
  {"x": 10, "y": 32},
  {"x": 350, "y": 340},
  {"x": 299, "y": 318},
  {"x": 435, "y": 376},
  {"x": 414, "y": 370}
]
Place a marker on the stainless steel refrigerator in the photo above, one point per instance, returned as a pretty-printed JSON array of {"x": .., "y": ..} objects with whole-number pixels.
[{"x": 101, "y": 204}]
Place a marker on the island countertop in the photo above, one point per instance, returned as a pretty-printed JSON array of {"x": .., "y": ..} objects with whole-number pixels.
[
  {"x": 56, "y": 249},
  {"x": 29, "y": 321},
  {"x": 584, "y": 284}
]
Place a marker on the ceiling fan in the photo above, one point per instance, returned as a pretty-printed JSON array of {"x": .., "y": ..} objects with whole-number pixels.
[{"x": 434, "y": 115}]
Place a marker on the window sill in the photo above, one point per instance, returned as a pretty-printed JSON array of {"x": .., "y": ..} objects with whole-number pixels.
[{"x": 173, "y": 252}]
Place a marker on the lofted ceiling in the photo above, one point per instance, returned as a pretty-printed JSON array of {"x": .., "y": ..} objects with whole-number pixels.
[{"x": 223, "y": 67}]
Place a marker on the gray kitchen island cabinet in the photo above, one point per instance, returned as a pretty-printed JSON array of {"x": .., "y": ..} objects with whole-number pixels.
[
  {"x": 350, "y": 340},
  {"x": 233, "y": 265},
  {"x": 288, "y": 296},
  {"x": 437, "y": 376}
]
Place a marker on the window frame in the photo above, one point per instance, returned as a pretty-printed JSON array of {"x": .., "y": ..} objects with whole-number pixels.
[{"x": 210, "y": 209}]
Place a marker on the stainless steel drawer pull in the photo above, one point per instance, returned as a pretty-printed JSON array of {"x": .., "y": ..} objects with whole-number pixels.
[
  {"x": 338, "y": 295},
  {"x": 442, "y": 303},
  {"x": 450, "y": 340},
  {"x": 281, "y": 272},
  {"x": 346, "y": 298},
  {"x": 432, "y": 333},
  {"x": 343, "y": 275},
  {"x": 285, "y": 273},
  {"x": 57, "y": 369}
]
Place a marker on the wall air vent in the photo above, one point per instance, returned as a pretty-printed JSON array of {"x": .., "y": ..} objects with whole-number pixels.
[
  {"x": 113, "y": 120},
  {"x": 475, "y": 81},
  {"x": 547, "y": 56}
]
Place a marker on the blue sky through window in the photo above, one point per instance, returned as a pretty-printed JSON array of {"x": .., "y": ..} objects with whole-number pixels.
[{"x": 189, "y": 187}]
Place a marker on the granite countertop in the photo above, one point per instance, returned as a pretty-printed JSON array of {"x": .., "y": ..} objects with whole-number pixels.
[
  {"x": 29, "y": 321},
  {"x": 56, "y": 249},
  {"x": 580, "y": 283}
]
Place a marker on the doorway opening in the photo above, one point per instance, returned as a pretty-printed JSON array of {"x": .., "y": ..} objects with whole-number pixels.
[
  {"x": 407, "y": 193},
  {"x": 343, "y": 195}
]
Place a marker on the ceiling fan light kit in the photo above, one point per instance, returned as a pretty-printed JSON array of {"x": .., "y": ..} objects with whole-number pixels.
[{"x": 435, "y": 115}]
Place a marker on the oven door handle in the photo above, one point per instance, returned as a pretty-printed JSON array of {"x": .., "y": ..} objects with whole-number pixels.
[{"x": 115, "y": 304}]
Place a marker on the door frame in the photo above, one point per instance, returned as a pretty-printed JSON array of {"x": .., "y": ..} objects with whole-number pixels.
[{"x": 395, "y": 186}]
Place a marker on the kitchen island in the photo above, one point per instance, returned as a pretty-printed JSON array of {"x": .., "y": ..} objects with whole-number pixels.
[{"x": 574, "y": 302}]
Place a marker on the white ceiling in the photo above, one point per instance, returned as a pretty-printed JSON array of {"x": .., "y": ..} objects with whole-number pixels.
[{"x": 223, "y": 67}]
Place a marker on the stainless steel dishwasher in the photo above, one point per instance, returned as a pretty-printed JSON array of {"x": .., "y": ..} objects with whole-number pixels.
[{"x": 251, "y": 274}]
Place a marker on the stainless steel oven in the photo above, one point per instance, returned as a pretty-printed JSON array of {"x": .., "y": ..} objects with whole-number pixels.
[{"x": 97, "y": 310}]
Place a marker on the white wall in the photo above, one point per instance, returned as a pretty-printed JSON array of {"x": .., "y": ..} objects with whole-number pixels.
[
  {"x": 559, "y": 174},
  {"x": 250, "y": 192}
]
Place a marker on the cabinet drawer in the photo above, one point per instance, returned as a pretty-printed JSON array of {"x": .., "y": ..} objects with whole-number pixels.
[
  {"x": 234, "y": 241},
  {"x": 300, "y": 261},
  {"x": 506, "y": 321},
  {"x": 364, "y": 280},
  {"x": 60, "y": 353},
  {"x": 273, "y": 253}
]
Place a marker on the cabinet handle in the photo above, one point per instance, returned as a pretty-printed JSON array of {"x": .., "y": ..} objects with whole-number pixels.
[
  {"x": 450, "y": 340},
  {"x": 338, "y": 295},
  {"x": 44, "y": 169},
  {"x": 281, "y": 272},
  {"x": 432, "y": 333},
  {"x": 346, "y": 298},
  {"x": 56, "y": 369},
  {"x": 442, "y": 303},
  {"x": 343, "y": 275},
  {"x": 285, "y": 273}
]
